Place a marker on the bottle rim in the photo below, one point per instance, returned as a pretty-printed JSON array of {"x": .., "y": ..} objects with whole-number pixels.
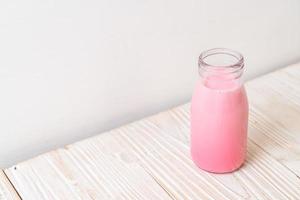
[{"x": 236, "y": 66}]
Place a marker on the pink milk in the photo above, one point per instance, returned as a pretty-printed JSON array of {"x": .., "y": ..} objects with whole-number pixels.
[{"x": 219, "y": 115}]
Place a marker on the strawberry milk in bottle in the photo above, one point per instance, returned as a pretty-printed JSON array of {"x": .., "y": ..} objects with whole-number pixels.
[{"x": 219, "y": 112}]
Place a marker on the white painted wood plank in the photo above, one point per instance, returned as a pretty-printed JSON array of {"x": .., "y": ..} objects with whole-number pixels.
[
  {"x": 165, "y": 159},
  {"x": 7, "y": 192},
  {"x": 84, "y": 173},
  {"x": 262, "y": 177},
  {"x": 149, "y": 159},
  {"x": 275, "y": 115}
]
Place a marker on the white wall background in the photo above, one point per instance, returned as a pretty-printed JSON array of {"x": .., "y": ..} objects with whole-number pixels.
[{"x": 70, "y": 69}]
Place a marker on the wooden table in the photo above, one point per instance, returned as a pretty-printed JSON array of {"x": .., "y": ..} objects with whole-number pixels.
[{"x": 149, "y": 159}]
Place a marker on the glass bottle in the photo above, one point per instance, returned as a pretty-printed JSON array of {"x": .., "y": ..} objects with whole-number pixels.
[{"x": 219, "y": 112}]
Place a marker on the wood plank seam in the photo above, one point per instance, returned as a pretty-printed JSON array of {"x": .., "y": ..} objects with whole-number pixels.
[
  {"x": 7, "y": 189},
  {"x": 12, "y": 185},
  {"x": 161, "y": 185}
]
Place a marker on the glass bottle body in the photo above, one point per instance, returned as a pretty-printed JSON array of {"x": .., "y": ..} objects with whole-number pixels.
[{"x": 219, "y": 113}]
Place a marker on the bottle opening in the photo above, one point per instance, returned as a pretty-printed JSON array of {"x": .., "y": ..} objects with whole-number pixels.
[
  {"x": 220, "y": 67},
  {"x": 221, "y": 58}
]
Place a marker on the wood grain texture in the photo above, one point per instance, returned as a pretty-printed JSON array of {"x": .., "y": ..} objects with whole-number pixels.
[
  {"x": 7, "y": 192},
  {"x": 275, "y": 115},
  {"x": 149, "y": 159}
]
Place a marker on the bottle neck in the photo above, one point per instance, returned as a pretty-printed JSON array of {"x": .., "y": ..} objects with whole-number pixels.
[{"x": 221, "y": 68}]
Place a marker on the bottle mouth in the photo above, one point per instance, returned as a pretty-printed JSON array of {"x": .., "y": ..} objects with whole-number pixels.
[{"x": 221, "y": 60}]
